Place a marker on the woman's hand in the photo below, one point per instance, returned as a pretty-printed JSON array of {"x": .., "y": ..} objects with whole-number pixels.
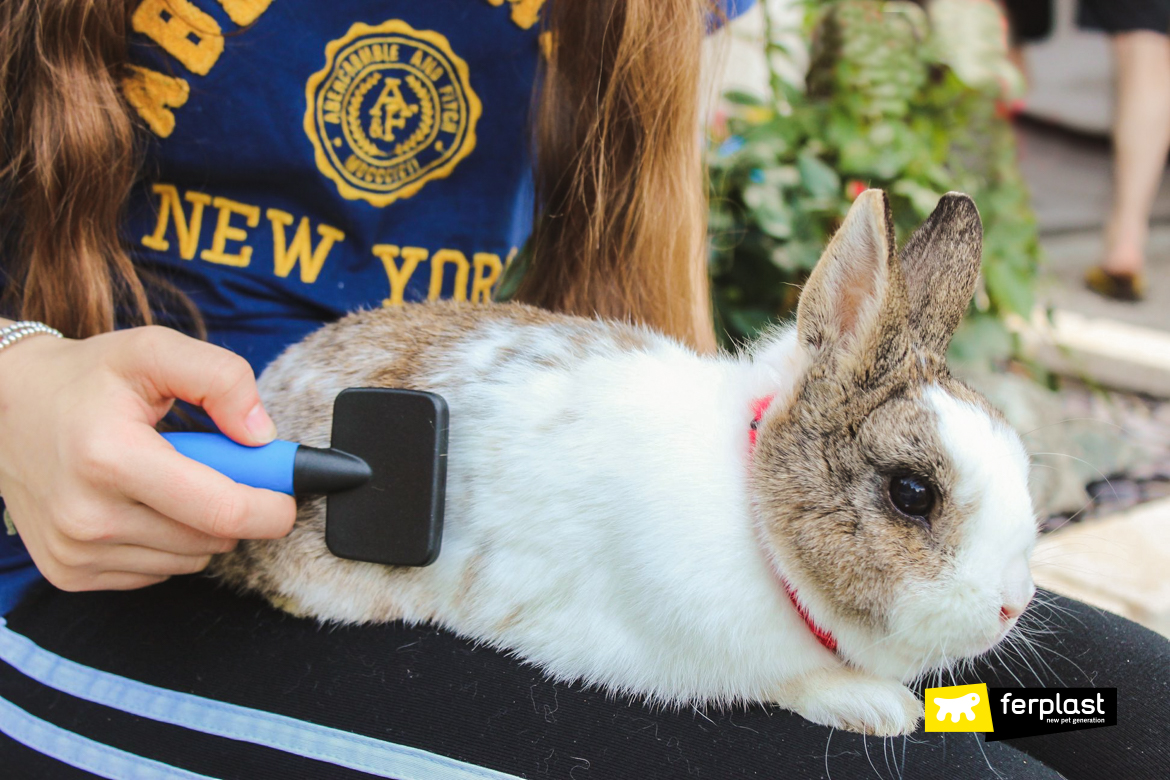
[{"x": 100, "y": 499}]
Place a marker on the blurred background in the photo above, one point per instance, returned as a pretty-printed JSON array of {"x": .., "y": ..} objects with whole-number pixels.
[{"x": 1055, "y": 116}]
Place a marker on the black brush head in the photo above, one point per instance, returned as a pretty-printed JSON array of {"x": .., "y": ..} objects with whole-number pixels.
[{"x": 396, "y": 517}]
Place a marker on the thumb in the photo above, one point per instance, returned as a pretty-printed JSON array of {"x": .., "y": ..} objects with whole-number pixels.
[{"x": 173, "y": 365}]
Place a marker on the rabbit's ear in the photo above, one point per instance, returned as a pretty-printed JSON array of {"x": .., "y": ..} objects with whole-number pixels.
[
  {"x": 940, "y": 263},
  {"x": 848, "y": 295}
]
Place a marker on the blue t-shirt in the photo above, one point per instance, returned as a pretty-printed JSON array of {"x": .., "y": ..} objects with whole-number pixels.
[
  {"x": 309, "y": 159},
  {"x": 333, "y": 156}
]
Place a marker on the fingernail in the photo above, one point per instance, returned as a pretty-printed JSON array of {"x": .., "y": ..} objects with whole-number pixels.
[{"x": 260, "y": 425}]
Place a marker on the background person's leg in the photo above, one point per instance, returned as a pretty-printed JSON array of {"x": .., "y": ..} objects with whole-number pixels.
[
  {"x": 1075, "y": 645},
  {"x": 1141, "y": 139}
]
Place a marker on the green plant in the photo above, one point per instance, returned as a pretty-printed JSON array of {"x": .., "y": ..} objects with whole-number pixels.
[{"x": 896, "y": 98}]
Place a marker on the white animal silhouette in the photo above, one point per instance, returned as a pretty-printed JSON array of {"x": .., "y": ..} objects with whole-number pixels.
[{"x": 960, "y": 705}]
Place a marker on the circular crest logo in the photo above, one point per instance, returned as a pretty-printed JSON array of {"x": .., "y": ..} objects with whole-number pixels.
[{"x": 391, "y": 110}]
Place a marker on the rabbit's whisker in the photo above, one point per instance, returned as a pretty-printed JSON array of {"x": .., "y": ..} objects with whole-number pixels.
[
  {"x": 1121, "y": 428},
  {"x": 1087, "y": 463},
  {"x": 986, "y": 760}
]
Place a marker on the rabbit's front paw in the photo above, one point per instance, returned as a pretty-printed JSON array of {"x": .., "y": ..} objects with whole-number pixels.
[{"x": 854, "y": 701}]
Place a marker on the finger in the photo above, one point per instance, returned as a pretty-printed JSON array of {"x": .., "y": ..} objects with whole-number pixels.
[
  {"x": 146, "y": 527},
  {"x": 75, "y": 580},
  {"x": 122, "y": 580},
  {"x": 70, "y": 560},
  {"x": 223, "y": 383},
  {"x": 133, "y": 559},
  {"x": 153, "y": 473}
]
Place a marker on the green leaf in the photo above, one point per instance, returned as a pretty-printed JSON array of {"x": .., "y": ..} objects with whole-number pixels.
[
  {"x": 771, "y": 213},
  {"x": 819, "y": 179},
  {"x": 922, "y": 198},
  {"x": 514, "y": 272},
  {"x": 749, "y": 322},
  {"x": 741, "y": 98},
  {"x": 782, "y": 176},
  {"x": 980, "y": 342},
  {"x": 1008, "y": 289},
  {"x": 797, "y": 255}
]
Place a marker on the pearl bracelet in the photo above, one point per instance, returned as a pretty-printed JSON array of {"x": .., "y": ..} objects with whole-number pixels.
[{"x": 20, "y": 330}]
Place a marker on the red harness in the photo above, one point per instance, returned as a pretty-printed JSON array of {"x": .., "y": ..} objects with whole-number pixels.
[{"x": 827, "y": 640}]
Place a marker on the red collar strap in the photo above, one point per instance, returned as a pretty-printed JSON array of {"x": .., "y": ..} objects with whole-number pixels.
[
  {"x": 759, "y": 408},
  {"x": 827, "y": 640}
]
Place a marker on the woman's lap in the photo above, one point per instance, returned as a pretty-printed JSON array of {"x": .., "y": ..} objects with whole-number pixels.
[
  {"x": 1081, "y": 646},
  {"x": 430, "y": 690}
]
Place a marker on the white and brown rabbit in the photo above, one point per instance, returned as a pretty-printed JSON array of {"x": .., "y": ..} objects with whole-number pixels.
[{"x": 812, "y": 523}]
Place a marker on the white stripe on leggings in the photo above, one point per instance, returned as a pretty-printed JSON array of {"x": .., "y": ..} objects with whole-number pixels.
[
  {"x": 320, "y": 743},
  {"x": 83, "y": 752}
]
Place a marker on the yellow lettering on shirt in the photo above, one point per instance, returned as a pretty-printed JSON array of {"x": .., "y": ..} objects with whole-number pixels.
[
  {"x": 186, "y": 33},
  {"x": 186, "y": 229},
  {"x": 525, "y": 13},
  {"x": 225, "y": 231},
  {"x": 487, "y": 270},
  {"x": 427, "y": 64},
  {"x": 474, "y": 280},
  {"x": 451, "y": 109},
  {"x": 152, "y": 95},
  {"x": 285, "y": 255},
  {"x": 244, "y": 12},
  {"x": 462, "y": 272},
  {"x": 399, "y": 276}
]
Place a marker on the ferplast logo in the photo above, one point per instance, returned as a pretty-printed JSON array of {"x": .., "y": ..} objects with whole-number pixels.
[
  {"x": 1007, "y": 713},
  {"x": 1027, "y": 712},
  {"x": 391, "y": 110},
  {"x": 958, "y": 708}
]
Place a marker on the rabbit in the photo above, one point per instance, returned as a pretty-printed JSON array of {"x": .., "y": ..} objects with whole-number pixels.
[{"x": 812, "y": 523}]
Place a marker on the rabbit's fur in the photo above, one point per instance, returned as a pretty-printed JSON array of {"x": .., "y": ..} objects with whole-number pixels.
[{"x": 607, "y": 519}]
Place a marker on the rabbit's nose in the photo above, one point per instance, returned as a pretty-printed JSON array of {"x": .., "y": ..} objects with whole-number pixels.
[
  {"x": 1018, "y": 590},
  {"x": 1009, "y": 612}
]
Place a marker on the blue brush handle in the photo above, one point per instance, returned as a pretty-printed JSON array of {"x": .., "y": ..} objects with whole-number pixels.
[{"x": 269, "y": 466}]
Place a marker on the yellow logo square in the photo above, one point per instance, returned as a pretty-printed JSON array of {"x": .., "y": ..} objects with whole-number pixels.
[{"x": 958, "y": 708}]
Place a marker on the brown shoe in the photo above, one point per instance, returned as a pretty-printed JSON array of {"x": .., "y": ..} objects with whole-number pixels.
[{"x": 1118, "y": 286}]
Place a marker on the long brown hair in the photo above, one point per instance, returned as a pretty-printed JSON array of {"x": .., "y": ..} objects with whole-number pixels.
[
  {"x": 621, "y": 198},
  {"x": 67, "y": 162},
  {"x": 621, "y": 221}
]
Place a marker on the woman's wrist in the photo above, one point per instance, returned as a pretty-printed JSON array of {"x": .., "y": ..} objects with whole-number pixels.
[
  {"x": 14, "y": 333},
  {"x": 19, "y": 363}
]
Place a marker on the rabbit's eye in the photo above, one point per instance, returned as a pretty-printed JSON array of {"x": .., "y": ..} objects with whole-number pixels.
[{"x": 912, "y": 495}]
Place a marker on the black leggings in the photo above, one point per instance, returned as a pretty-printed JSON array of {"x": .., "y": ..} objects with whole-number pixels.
[{"x": 428, "y": 689}]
